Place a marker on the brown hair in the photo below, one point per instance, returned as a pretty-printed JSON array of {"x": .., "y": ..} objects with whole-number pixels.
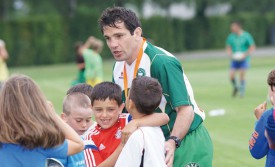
[
  {"x": 271, "y": 79},
  {"x": 74, "y": 100},
  {"x": 81, "y": 88},
  {"x": 25, "y": 115},
  {"x": 107, "y": 90},
  {"x": 146, "y": 93}
]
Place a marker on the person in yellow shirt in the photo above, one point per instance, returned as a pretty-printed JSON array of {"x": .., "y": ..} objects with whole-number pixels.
[{"x": 4, "y": 73}]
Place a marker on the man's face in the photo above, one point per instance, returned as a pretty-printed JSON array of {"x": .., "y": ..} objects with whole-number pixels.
[
  {"x": 80, "y": 119},
  {"x": 120, "y": 41},
  {"x": 106, "y": 112},
  {"x": 235, "y": 28}
]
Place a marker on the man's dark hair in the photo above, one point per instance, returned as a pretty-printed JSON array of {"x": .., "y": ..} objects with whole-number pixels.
[
  {"x": 237, "y": 22},
  {"x": 111, "y": 16},
  {"x": 146, "y": 93},
  {"x": 106, "y": 90},
  {"x": 271, "y": 79},
  {"x": 81, "y": 88}
]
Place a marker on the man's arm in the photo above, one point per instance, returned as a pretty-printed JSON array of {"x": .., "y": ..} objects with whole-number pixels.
[
  {"x": 250, "y": 50},
  {"x": 111, "y": 160},
  {"x": 229, "y": 51},
  {"x": 185, "y": 116}
]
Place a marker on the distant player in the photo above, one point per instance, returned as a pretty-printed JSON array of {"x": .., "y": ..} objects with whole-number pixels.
[
  {"x": 258, "y": 143},
  {"x": 239, "y": 46},
  {"x": 145, "y": 147}
]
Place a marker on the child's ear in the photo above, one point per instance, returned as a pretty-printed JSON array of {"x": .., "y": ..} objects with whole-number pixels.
[
  {"x": 64, "y": 117},
  {"x": 121, "y": 107}
]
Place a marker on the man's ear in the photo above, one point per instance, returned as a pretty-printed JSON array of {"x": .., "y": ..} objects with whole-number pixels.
[
  {"x": 121, "y": 107},
  {"x": 64, "y": 117},
  {"x": 138, "y": 32}
]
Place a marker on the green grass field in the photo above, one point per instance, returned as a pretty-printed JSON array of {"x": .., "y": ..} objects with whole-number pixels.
[{"x": 230, "y": 133}]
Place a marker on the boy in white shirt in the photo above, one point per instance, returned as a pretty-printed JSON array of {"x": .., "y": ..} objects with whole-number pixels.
[{"x": 145, "y": 147}]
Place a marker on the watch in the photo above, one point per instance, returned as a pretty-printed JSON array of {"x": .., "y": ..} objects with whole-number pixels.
[{"x": 176, "y": 139}]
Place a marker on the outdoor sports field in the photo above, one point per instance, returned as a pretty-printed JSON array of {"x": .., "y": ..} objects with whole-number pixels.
[{"x": 209, "y": 77}]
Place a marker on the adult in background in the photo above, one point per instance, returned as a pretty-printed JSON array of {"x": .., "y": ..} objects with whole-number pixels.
[
  {"x": 4, "y": 73},
  {"x": 239, "y": 46},
  {"x": 188, "y": 142}
]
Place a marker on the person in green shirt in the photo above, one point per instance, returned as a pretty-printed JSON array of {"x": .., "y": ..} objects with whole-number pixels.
[
  {"x": 90, "y": 51},
  {"x": 239, "y": 46},
  {"x": 187, "y": 140}
]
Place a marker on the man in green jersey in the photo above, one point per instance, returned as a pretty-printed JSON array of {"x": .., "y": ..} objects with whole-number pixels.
[
  {"x": 239, "y": 46},
  {"x": 188, "y": 142}
]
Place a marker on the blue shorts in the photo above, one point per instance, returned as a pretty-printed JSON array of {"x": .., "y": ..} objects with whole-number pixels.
[{"x": 236, "y": 65}]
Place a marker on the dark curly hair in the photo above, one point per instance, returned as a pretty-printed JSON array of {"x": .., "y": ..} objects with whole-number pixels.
[{"x": 111, "y": 16}]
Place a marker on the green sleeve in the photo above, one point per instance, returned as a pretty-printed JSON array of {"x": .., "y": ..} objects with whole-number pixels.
[
  {"x": 250, "y": 40},
  {"x": 228, "y": 41},
  {"x": 170, "y": 76}
]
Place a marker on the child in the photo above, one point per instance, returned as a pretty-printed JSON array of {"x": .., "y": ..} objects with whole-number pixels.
[
  {"x": 77, "y": 113},
  {"x": 102, "y": 144},
  {"x": 145, "y": 147},
  {"x": 30, "y": 130},
  {"x": 258, "y": 144},
  {"x": 270, "y": 135}
]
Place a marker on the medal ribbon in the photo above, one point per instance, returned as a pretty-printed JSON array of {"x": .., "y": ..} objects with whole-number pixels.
[{"x": 125, "y": 78}]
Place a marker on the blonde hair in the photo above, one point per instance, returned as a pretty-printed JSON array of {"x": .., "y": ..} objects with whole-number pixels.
[
  {"x": 74, "y": 100},
  {"x": 97, "y": 46},
  {"x": 25, "y": 115}
]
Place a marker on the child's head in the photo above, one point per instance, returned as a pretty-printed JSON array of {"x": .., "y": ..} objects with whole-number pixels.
[
  {"x": 25, "y": 115},
  {"x": 145, "y": 95},
  {"x": 107, "y": 103},
  {"x": 77, "y": 112},
  {"x": 271, "y": 83},
  {"x": 81, "y": 88}
]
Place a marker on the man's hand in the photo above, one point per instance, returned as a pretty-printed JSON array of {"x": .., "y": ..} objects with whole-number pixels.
[
  {"x": 170, "y": 147},
  {"x": 260, "y": 109},
  {"x": 128, "y": 130}
]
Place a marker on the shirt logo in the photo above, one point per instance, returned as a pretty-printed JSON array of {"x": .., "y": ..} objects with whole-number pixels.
[
  {"x": 118, "y": 134},
  {"x": 101, "y": 147},
  {"x": 121, "y": 75},
  {"x": 192, "y": 164},
  {"x": 141, "y": 72}
]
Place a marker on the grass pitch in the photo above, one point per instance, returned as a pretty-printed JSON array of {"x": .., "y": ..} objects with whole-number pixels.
[{"x": 209, "y": 78}]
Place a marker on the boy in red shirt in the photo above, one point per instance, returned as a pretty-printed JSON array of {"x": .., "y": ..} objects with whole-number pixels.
[{"x": 105, "y": 139}]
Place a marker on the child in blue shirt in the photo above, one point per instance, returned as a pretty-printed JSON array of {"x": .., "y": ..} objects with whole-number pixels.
[{"x": 259, "y": 144}]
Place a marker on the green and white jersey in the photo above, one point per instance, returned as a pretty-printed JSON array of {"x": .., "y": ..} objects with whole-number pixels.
[{"x": 177, "y": 91}]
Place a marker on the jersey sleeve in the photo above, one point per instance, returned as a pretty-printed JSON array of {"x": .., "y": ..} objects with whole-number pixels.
[
  {"x": 250, "y": 40},
  {"x": 171, "y": 78},
  {"x": 258, "y": 144},
  {"x": 125, "y": 118},
  {"x": 132, "y": 152},
  {"x": 91, "y": 152},
  {"x": 228, "y": 41}
]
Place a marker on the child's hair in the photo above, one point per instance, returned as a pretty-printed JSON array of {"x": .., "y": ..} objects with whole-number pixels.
[
  {"x": 146, "y": 93},
  {"x": 107, "y": 90},
  {"x": 77, "y": 46},
  {"x": 25, "y": 115},
  {"x": 271, "y": 78},
  {"x": 81, "y": 88},
  {"x": 75, "y": 100},
  {"x": 97, "y": 46}
]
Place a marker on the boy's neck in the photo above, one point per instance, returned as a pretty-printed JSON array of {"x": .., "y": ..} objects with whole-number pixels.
[{"x": 136, "y": 115}]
